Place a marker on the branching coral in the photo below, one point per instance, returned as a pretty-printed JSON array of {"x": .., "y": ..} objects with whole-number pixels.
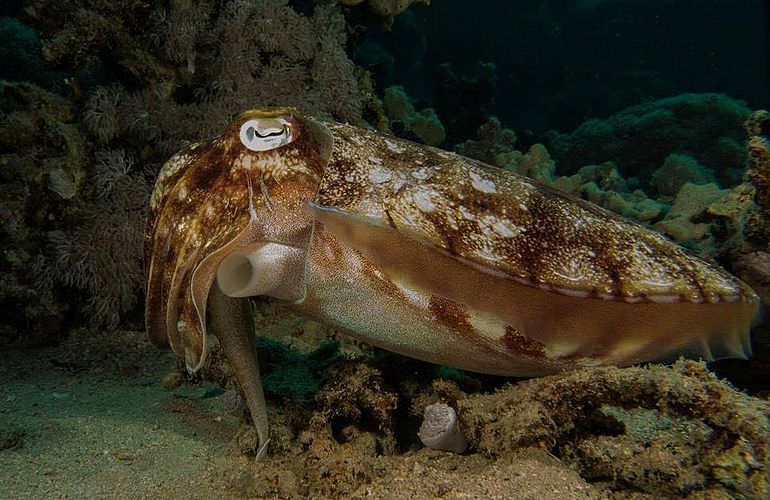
[
  {"x": 244, "y": 55},
  {"x": 86, "y": 215},
  {"x": 180, "y": 30},
  {"x": 42, "y": 159},
  {"x": 101, "y": 114},
  {"x": 424, "y": 124},
  {"x": 192, "y": 67}
]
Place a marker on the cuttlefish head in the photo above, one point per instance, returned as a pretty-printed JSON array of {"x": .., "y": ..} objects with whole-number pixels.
[{"x": 221, "y": 208}]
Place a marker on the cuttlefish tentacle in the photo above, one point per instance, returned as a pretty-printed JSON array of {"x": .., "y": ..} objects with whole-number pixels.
[{"x": 231, "y": 322}]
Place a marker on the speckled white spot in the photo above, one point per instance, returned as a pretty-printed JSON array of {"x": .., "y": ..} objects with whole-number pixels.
[
  {"x": 466, "y": 214},
  {"x": 379, "y": 175},
  {"x": 423, "y": 199},
  {"x": 182, "y": 193},
  {"x": 481, "y": 184},
  {"x": 394, "y": 146},
  {"x": 420, "y": 174},
  {"x": 506, "y": 229}
]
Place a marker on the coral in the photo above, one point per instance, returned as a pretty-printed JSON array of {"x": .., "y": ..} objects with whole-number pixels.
[
  {"x": 691, "y": 199},
  {"x": 243, "y": 55},
  {"x": 565, "y": 414},
  {"x": 759, "y": 158},
  {"x": 353, "y": 394},
  {"x": 424, "y": 124},
  {"x": 74, "y": 34},
  {"x": 180, "y": 28},
  {"x": 187, "y": 67},
  {"x": 758, "y": 130},
  {"x": 707, "y": 127},
  {"x": 43, "y": 161},
  {"x": 495, "y": 145},
  {"x": 271, "y": 55},
  {"x": 101, "y": 115},
  {"x": 678, "y": 170},
  {"x": 758, "y": 123},
  {"x": 102, "y": 255}
]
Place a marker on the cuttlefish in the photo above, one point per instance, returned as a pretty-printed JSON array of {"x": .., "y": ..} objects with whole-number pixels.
[{"x": 416, "y": 250}]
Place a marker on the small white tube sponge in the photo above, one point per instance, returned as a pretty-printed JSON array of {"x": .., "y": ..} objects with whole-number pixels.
[{"x": 440, "y": 429}]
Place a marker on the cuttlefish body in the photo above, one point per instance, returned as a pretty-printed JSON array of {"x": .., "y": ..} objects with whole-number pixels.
[{"x": 418, "y": 251}]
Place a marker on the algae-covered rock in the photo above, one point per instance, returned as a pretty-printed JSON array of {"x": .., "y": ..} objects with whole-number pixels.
[
  {"x": 721, "y": 445},
  {"x": 678, "y": 170},
  {"x": 706, "y": 127}
]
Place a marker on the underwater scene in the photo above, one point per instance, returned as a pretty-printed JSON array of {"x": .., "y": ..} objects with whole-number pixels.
[{"x": 385, "y": 249}]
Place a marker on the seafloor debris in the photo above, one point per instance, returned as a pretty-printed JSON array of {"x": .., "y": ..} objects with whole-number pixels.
[
  {"x": 596, "y": 433},
  {"x": 573, "y": 416}
]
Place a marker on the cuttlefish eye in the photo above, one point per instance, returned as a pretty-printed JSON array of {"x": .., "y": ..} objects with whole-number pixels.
[{"x": 263, "y": 134}]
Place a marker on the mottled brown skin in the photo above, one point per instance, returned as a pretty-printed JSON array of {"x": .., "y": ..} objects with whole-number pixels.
[
  {"x": 510, "y": 224},
  {"x": 419, "y": 251},
  {"x": 199, "y": 206}
]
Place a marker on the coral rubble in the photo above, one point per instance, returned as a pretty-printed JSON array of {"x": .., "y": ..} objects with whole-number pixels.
[{"x": 567, "y": 414}]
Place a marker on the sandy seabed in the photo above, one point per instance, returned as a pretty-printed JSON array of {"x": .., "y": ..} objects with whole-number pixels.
[{"x": 94, "y": 420}]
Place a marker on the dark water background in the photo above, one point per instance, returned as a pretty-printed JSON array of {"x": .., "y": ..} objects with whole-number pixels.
[{"x": 560, "y": 62}]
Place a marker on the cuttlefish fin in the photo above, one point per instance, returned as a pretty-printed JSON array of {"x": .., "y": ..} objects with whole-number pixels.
[{"x": 231, "y": 322}]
